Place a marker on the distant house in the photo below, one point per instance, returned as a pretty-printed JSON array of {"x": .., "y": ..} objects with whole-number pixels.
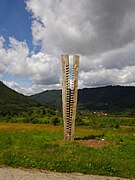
[{"x": 101, "y": 114}]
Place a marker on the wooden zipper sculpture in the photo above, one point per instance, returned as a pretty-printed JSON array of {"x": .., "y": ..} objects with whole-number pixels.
[{"x": 69, "y": 95}]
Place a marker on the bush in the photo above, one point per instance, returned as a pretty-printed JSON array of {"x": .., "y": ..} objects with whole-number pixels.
[
  {"x": 55, "y": 121},
  {"x": 79, "y": 120}
]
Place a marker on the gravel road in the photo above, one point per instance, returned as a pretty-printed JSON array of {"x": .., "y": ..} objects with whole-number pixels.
[{"x": 8, "y": 173}]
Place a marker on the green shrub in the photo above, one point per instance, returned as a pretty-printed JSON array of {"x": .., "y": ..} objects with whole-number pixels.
[{"x": 55, "y": 120}]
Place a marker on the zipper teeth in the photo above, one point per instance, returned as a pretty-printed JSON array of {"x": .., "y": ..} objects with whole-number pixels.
[{"x": 69, "y": 97}]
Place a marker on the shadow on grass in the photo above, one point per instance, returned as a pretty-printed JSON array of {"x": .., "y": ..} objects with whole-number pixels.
[{"x": 90, "y": 137}]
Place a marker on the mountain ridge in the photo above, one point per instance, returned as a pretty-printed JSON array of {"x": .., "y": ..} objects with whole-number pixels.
[
  {"x": 12, "y": 102},
  {"x": 106, "y": 98},
  {"x": 100, "y": 98}
]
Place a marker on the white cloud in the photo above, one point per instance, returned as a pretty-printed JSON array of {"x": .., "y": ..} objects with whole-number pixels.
[
  {"x": 33, "y": 89},
  {"x": 103, "y": 77},
  {"x": 67, "y": 28},
  {"x": 40, "y": 68},
  {"x": 38, "y": 31},
  {"x": 43, "y": 69},
  {"x": 101, "y": 31},
  {"x": 84, "y": 27},
  {"x": 16, "y": 55},
  {"x": 1, "y": 41},
  {"x": 15, "y": 86},
  {"x": 120, "y": 57},
  {"x": 2, "y": 56}
]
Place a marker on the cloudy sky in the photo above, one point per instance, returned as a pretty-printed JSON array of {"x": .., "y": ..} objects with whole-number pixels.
[{"x": 34, "y": 33}]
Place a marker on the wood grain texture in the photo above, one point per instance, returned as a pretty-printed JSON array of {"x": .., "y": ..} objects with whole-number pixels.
[{"x": 69, "y": 96}]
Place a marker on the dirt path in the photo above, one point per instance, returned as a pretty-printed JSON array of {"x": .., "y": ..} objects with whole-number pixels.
[{"x": 8, "y": 173}]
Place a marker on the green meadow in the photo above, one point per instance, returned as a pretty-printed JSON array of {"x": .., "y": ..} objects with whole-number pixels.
[{"x": 41, "y": 146}]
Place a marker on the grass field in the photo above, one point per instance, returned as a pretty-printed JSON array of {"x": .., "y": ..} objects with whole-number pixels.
[{"x": 41, "y": 146}]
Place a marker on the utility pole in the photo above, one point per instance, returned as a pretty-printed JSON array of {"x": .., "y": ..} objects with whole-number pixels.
[{"x": 69, "y": 95}]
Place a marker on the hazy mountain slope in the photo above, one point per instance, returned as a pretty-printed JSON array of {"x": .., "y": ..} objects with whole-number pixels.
[{"x": 52, "y": 97}]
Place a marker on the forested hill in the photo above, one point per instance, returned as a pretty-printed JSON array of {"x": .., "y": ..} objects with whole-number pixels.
[
  {"x": 12, "y": 102},
  {"x": 101, "y": 98},
  {"x": 108, "y": 98}
]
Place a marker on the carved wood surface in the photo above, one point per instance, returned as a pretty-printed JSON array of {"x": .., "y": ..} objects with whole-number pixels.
[{"x": 69, "y": 96}]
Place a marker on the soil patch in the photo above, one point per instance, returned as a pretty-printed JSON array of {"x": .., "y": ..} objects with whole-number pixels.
[{"x": 94, "y": 143}]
